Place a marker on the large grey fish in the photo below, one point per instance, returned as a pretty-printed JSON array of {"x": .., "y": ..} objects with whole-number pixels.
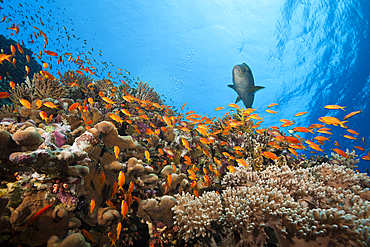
[{"x": 244, "y": 84}]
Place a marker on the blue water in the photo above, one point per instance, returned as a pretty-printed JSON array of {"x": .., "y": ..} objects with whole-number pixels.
[{"x": 306, "y": 53}]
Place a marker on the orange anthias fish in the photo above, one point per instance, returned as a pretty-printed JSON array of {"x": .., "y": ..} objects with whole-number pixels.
[
  {"x": 51, "y": 53},
  {"x": 36, "y": 216},
  {"x": 50, "y": 105},
  {"x": 271, "y": 111},
  {"x": 185, "y": 143},
  {"x": 12, "y": 49},
  {"x": 4, "y": 95},
  {"x": 350, "y": 137},
  {"x": 167, "y": 121},
  {"x": 126, "y": 112},
  {"x": 169, "y": 180},
  {"x": 43, "y": 115},
  {"x": 147, "y": 156},
  {"x": 74, "y": 106},
  {"x": 340, "y": 152},
  {"x": 351, "y": 114},
  {"x": 334, "y": 107},
  {"x": 112, "y": 238},
  {"x": 114, "y": 188},
  {"x": 121, "y": 179},
  {"x": 92, "y": 205},
  {"x": 108, "y": 100},
  {"x": 119, "y": 227},
  {"x": 124, "y": 209},
  {"x": 116, "y": 151},
  {"x": 293, "y": 151},
  {"x": 332, "y": 121},
  {"x": 183, "y": 106},
  {"x": 300, "y": 114},
  {"x": 131, "y": 187},
  {"x": 12, "y": 84},
  {"x": 302, "y": 129},
  {"x": 270, "y": 155},
  {"x": 313, "y": 145},
  {"x": 20, "y": 48},
  {"x": 25, "y": 103},
  {"x": 366, "y": 157},
  {"x": 6, "y": 57},
  {"x": 115, "y": 117},
  {"x": 233, "y": 105},
  {"x": 27, "y": 69},
  {"x": 38, "y": 103},
  {"x": 231, "y": 168},
  {"x": 352, "y": 132},
  {"x": 219, "y": 108},
  {"x": 360, "y": 148},
  {"x": 47, "y": 75},
  {"x": 271, "y": 105},
  {"x": 207, "y": 180},
  {"x": 102, "y": 178},
  {"x": 87, "y": 235}
]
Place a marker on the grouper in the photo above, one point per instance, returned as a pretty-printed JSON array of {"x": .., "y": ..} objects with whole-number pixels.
[{"x": 244, "y": 84}]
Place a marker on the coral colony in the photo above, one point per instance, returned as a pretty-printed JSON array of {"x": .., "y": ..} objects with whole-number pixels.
[{"x": 85, "y": 162}]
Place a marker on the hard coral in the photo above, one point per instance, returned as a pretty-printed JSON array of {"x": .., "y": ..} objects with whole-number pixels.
[
  {"x": 111, "y": 138},
  {"x": 152, "y": 210},
  {"x": 73, "y": 240},
  {"x": 144, "y": 92},
  {"x": 56, "y": 221},
  {"x": 196, "y": 215},
  {"x": 325, "y": 204}
]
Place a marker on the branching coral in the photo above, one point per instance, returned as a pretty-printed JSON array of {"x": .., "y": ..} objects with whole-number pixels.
[
  {"x": 76, "y": 85},
  {"x": 196, "y": 215},
  {"x": 350, "y": 161},
  {"x": 25, "y": 90},
  {"x": 326, "y": 203},
  {"x": 144, "y": 92},
  {"x": 45, "y": 88}
]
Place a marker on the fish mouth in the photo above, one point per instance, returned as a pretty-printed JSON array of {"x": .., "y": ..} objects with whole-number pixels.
[{"x": 237, "y": 70}]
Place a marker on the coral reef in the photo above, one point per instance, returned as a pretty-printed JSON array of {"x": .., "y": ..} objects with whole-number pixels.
[
  {"x": 89, "y": 162},
  {"x": 326, "y": 204}
]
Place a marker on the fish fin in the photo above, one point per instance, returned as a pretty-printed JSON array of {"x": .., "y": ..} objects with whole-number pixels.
[
  {"x": 238, "y": 99},
  {"x": 231, "y": 86},
  {"x": 254, "y": 89}
]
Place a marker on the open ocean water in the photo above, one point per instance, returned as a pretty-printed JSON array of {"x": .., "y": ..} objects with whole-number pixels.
[{"x": 307, "y": 54}]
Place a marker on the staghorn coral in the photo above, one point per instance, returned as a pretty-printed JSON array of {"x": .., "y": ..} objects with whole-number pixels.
[
  {"x": 76, "y": 85},
  {"x": 349, "y": 162},
  {"x": 6, "y": 109},
  {"x": 25, "y": 90},
  {"x": 144, "y": 92},
  {"x": 38, "y": 87},
  {"x": 45, "y": 88}
]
